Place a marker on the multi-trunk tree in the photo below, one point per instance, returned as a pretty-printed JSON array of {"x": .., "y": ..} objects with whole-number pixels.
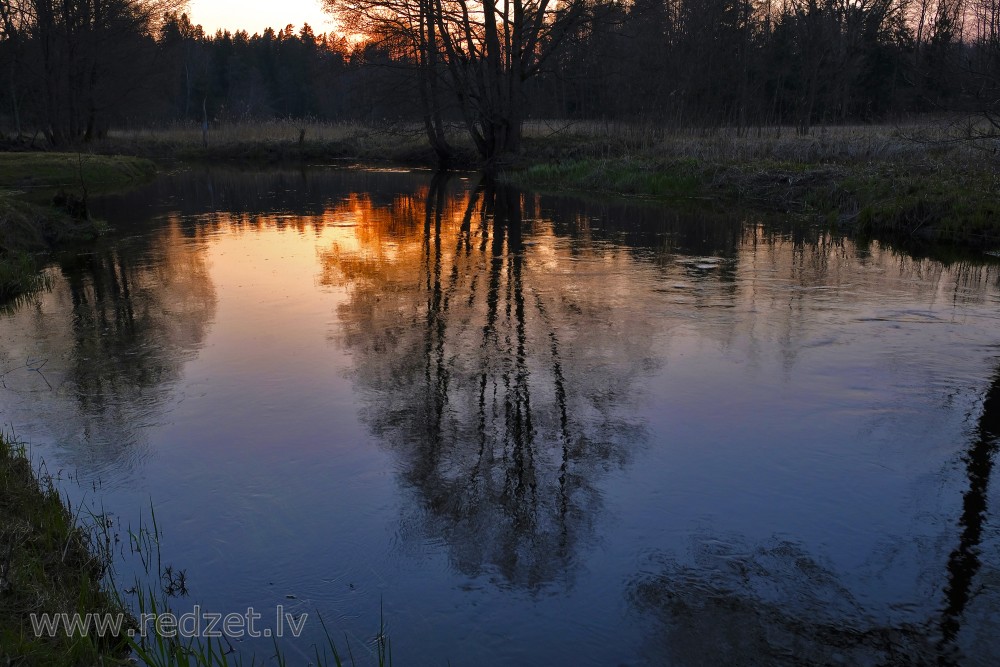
[{"x": 472, "y": 57}]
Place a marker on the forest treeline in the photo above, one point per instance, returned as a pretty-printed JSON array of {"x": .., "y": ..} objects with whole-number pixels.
[{"x": 71, "y": 69}]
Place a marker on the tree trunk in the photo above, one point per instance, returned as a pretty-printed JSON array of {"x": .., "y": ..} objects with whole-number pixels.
[
  {"x": 427, "y": 68},
  {"x": 14, "y": 105}
]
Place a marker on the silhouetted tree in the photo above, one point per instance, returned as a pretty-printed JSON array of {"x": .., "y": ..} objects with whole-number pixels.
[
  {"x": 84, "y": 59},
  {"x": 71, "y": 66},
  {"x": 486, "y": 51}
]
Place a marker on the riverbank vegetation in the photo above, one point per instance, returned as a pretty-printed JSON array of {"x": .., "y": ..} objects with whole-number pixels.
[
  {"x": 928, "y": 180},
  {"x": 794, "y": 105},
  {"x": 48, "y": 564},
  {"x": 44, "y": 172},
  {"x": 932, "y": 178},
  {"x": 54, "y": 561},
  {"x": 43, "y": 206}
]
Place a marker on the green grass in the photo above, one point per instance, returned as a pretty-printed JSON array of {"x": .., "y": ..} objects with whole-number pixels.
[
  {"x": 47, "y": 564},
  {"x": 29, "y": 171},
  {"x": 680, "y": 178},
  {"x": 159, "y": 651},
  {"x": 923, "y": 182},
  {"x": 26, "y": 229},
  {"x": 26, "y": 226},
  {"x": 932, "y": 201},
  {"x": 32, "y": 224},
  {"x": 19, "y": 278}
]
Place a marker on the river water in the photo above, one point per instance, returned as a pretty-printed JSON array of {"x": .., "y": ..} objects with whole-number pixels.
[{"x": 527, "y": 429}]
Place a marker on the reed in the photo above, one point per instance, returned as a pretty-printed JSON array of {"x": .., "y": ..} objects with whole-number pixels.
[
  {"x": 58, "y": 559},
  {"x": 48, "y": 563},
  {"x": 43, "y": 206}
]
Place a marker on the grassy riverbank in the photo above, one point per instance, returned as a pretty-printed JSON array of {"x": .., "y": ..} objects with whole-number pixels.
[
  {"x": 43, "y": 206},
  {"x": 933, "y": 179},
  {"x": 929, "y": 201},
  {"x": 933, "y": 182},
  {"x": 51, "y": 562},
  {"x": 40, "y": 171},
  {"x": 47, "y": 564}
]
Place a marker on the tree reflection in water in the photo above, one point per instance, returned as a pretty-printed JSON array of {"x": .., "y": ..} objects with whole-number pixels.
[
  {"x": 498, "y": 375},
  {"x": 964, "y": 563},
  {"x": 114, "y": 332},
  {"x": 776, "y": 604}
]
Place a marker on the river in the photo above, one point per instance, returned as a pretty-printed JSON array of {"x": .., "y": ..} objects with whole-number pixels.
[{"x": 527, "y": 429}]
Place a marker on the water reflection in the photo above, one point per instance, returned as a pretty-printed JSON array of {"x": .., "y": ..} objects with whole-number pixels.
[
  {"x": 964, "y": 563},
  {"x": 777, "y": 603},
  {"x": 111, "y": 338},
  {"x": 501, "y": 377},
  {"x": 551, "y": 390},
  {"x": 223, "y": 195},
  {"x": 774, "y": 604}
]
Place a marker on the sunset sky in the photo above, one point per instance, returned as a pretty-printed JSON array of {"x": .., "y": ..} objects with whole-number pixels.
[{"x": 255, "y": 15}]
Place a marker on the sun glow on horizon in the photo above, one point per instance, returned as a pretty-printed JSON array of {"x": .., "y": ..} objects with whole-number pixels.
[{"x": 255, "y": 16}]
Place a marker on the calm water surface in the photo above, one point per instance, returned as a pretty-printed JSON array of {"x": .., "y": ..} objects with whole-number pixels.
[{"x": 533, "y": 430}]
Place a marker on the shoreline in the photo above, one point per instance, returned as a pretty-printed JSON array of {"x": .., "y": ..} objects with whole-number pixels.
[
  {"x": 905, "y": 185},
  {"x": 933, "y": 201},
  {"x": 925, "y": 180},
  {"x": 882, "y": 201},
  {"x": 43, "y": 208},
  {"x": 48, "y": 564}
]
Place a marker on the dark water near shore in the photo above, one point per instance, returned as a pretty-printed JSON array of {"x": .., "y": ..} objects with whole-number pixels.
[{"x": 534, "y": 430}]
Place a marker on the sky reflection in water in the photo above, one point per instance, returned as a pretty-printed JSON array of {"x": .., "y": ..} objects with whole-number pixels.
[{"x": 535, "y": 429}]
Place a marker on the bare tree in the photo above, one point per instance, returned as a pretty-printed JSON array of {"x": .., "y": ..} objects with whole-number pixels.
[
  {"x": 482, "y": 51},
  {"x": 14, "y": 23},
  {"x": 983, "y": 62},
  {"x": 82, "y": 57}
]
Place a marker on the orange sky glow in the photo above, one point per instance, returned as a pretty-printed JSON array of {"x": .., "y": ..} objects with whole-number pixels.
[{"x": 256, "y": 15}]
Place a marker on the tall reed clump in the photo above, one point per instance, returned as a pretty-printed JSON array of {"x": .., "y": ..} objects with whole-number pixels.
[
  {"x": 21, "y": 231},
  {"x": 43, "y": 206}
]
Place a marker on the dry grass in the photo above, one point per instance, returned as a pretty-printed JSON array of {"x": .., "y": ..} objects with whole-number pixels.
[
  {"x": 286, "y": 140},
  {"x": 933, "y": 179},
  {"x": 937, "y": 139},
  {"x": 961, "y": 139},
  {"x": 265, "y": 131}
]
